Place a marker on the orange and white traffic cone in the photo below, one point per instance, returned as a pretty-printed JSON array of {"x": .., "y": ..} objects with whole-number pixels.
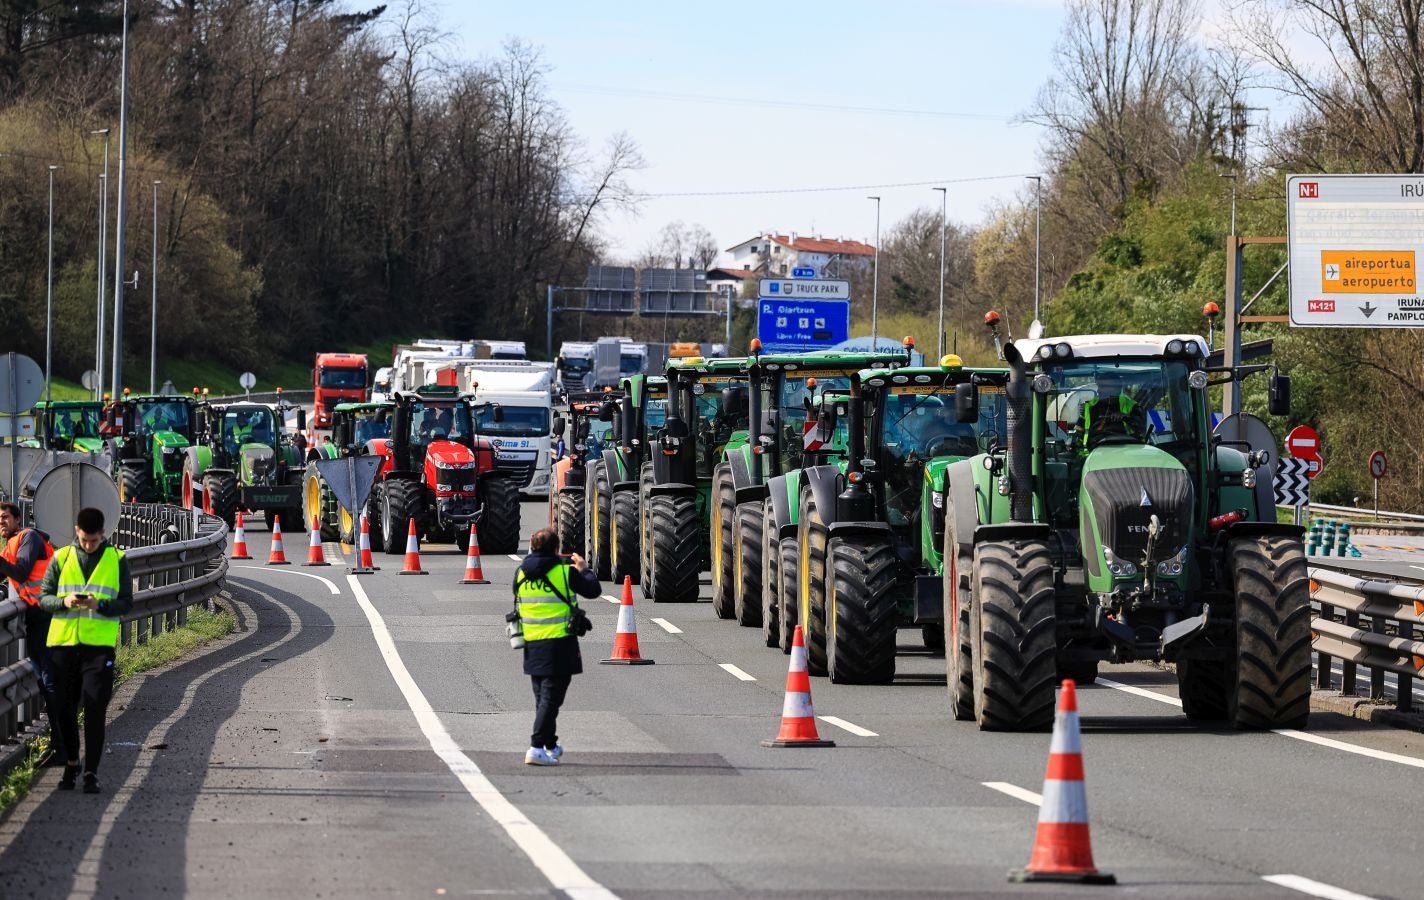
[
  {"x": 412, "y": 553},
  {"x": 798, "y": 721},
  {"x": 364, "y": 564},
  {"x": 625, "y": 639},
  {"x": 239, "y": 540},
  {"x": 277, "y": 557},
  {"x": 315, "y": 556},
  {"x": 1061, "y": 848},
  {"x": 474, "y": 572}
]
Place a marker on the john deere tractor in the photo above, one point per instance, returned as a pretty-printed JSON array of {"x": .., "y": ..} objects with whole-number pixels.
[
  {"x": 70, "y": 425},
  {"x": 614, "y": 481},
  {"x": 353, "y": 427},
  {"x": 148, "y": 438},
  {"x": 706, "y": 418},
  {"x": 1113, "y": 526},
  {"x": 245, "y": 458},
  {"x": 745, "y": 557},
  {"x": 582, "y": 438}
]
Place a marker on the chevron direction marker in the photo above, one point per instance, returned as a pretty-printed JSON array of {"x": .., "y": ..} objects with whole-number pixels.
[{"x": 1293, "y": 482}]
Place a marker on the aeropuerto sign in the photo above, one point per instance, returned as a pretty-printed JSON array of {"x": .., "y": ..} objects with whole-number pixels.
[{"x": 1355, "y": 245}]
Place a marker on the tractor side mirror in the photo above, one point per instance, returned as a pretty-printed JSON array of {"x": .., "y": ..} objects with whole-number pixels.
[
  {"x": 826, "y": 423},
  {"x": 557, "y": 428},
  {"x": 497, "y": 412},
  {"x": 1279, "y": 402},
  {"x": 608, "y": 411},
  {"x": 301, "y": 419},
  {"x": 734, "y": 402},
  {"x": 966, "y": 404}
]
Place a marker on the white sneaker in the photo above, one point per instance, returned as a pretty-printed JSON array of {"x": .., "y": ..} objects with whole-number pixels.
[
  {"x": 538, "y": 756},
  {"x": 557, "y": 753}
]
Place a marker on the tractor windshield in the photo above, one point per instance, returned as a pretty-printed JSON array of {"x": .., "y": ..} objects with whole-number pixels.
[
  {"x": 248, "y": 425},
  {"x": 519, "y": 421},
  {"x": 76, "y": 422},
  {"x": 792, "y": 394},
  {"x": 438, "y": 420},
  {"x": 1094, "y": 403},
  {"x": 371, "y": 424},
  {"x": 713, "y": 429},
  {"x": 655, "y": 413},
  {"x": 160, "y": 415}
]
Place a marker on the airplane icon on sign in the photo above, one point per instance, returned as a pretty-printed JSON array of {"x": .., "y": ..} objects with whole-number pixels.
[{"x": 1332, "y": 272}]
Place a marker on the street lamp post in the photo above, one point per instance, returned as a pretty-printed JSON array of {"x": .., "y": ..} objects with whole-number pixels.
[
  {"x": 943, "y": 224},
  {"x": 153, "y": 314},
  {"x": 117, "y": 384},
  {"x": 1037, "y": 223},
  {"x": 101, "y": 267},
  {"x": 49, "y": 299},
  {"x": 1232, "y": 176},
  {"x": 875, "y": 285}
]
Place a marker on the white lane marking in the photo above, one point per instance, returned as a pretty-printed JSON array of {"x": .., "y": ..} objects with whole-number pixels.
[
  {"x": 550, "y": 859},
  {"x": 738, "y": 673},
  {"x": 1313, "y": 888},
  {"x": 1381, "y": 755},
  {"x": 848, "y": 726},
  {"x": 326, "y": 581},
  {"x": 1015, "y": 791},
  {"x": 666, "y": 625},
  {"x": 516, "y": 557},
  {"x": 612, "y": 599}
]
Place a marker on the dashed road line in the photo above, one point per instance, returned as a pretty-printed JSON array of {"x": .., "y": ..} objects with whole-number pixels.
[
  {"x": 848, "y": 726},
  {"x": 1014, "y": 791},
  {"x": 516, "y": 557},
  {"x": 664, "y": 624},
  {"x": 1313, "y": 888},
  {"x": 738, "y": 673},
  {"x": 612, "y": 599}
]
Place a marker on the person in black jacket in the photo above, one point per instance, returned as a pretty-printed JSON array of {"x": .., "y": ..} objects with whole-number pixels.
[{"x": 546, "y": 591}]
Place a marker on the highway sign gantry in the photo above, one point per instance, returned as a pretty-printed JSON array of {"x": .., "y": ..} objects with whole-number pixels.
[{"x": 1355, "y": 243}]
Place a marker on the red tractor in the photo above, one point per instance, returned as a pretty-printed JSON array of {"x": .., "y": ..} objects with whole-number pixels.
[{"x": 438, "y": 472}]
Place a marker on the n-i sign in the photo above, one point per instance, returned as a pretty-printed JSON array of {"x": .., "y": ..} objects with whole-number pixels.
[{"x": 1303, "y": 442}]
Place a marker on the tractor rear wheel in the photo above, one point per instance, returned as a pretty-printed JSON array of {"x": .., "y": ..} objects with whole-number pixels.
[
  {"x": 860, "y": 611},
  {"x": 220, "y": 489},
  {"x": 316, "y": 504},
  {"x": 959, "y": 643},
  {"x": 375, "y": 519},
  {"x": 769, "y": 592},
  {"x": 645, "y": 528},
  {"x": 720, "y": 550},
  {"x": 675, "y": 535},
  {"x": 1272, "y": 665},
  {"x": 133, "y": 482},
  {"x": 599, "y": 514},
  {"x": 1015, "y": 644},
  {"x": 397, "y": 508},
  {"x": 811, "y": 595},
  {"x": 347, "y": 527},
  {"x": 568, "y": 518},
  {"x": 746, "y": 565},
  {"x": 499, "y": 515},
  {"x": 624, "y": 538}
]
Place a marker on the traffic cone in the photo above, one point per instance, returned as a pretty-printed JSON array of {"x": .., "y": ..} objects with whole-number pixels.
[
  {"x": 1061, "y": 848},
  {"x": 412, "y": 553},
  {"x": 314, "y": 555},
  {"x": 625, "y": 640},
  {"x": 277, "y": 556},
  {"x": 239, "y": 540},
  {"x": 474, "y": 572},
  {"x": 364, "y": 563},
  {"x": 798, "y": 722}
]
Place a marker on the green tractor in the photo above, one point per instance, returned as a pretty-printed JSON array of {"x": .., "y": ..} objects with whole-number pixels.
[
  {"x": 353, "y": 427},
  {"x": 614, "y": 480},
  {"x": 745, "y": 558},
  {"x": 706, "y": 419},
  {"x": 244, "y": 458},
  {"x": 1114, "y": 527},
  {"x": 582, "y": 439},
  {"x": 70, "y": 425},
  {"x": 148, "y": 438}
]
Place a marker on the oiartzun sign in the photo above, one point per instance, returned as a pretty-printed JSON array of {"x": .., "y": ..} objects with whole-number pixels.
[{"x": 1355, "y": 243}]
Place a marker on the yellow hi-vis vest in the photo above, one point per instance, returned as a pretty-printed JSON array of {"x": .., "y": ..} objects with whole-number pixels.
[
  {"x": 545, "y": 614},
  {"x": 86, "y": 626}
]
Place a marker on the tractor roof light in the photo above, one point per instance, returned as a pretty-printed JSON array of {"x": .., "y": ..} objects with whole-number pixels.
[
  {"x": 950, "y": 361},
  {"x": 810, "y": 384},
  {"x": 855, "y": 477},
  {"x": 1196, "y": 380},
  {"x": 1175, "y": 346},
  {"x": 900, "y": 379},
  {"x": 908, "y": 343},
  {"x": 756, "y": 345},
  {"x": 1211, "y": 310},
  {"x": 991, "y": 318},
  {"x": 1062, "y": 351},
  {"x": 922, "y": 379},
  {"x": 1045, "y": 351}
]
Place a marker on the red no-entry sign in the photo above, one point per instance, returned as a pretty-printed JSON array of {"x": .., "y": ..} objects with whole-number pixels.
[{"x": 1303, "y": 442}]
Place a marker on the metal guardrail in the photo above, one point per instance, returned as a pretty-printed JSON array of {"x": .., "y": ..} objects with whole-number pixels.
[
  {"x": 1356, "y": 512},
  {"x": 269, "y": 397},
  {"x": 177, "y": 559},
  {"x": 1371, "y": 623}
]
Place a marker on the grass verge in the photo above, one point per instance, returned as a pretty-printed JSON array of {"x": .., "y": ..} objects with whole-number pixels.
[{"x": 202, "y": 627}]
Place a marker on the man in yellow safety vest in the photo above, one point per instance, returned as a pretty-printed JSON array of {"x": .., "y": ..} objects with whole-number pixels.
[
  {"x": 87, "y": 589},
  {"x": 544, "y": 589}
]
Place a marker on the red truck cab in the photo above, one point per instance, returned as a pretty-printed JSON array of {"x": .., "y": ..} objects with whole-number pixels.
[{"x": 338, "y": 378}]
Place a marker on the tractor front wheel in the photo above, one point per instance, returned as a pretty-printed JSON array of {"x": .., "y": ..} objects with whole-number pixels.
[
  {"x": 860, "y": 611},
  {"x": 746, "y": 565},
  {"x": 397, "y": 508},
  {"x": 499, "y": 515},
  {"x": 133, "y": 482},
  {"x": 600, "y": 509},
  {"x": 959, "y": 643},
  {"x": 811, "y": 593},
  {"x": 769, "y": 590},
  {"x": 624, "y": 538},
  {"x": 220, "y": 489},
  {"x": 720, "y": 549},
  {"x": 675, "y": 534},
  {"x": 1015, "y": 644},
  {"x": 568, "y": 519}
]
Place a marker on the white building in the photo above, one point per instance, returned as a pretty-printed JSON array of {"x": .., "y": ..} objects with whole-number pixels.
[{"x": 776, "y": 255}]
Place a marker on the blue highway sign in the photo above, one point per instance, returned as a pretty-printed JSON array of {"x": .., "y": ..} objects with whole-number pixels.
[
  {"x": 803, "y": 272},
  {"x": 790, "y": 325}
]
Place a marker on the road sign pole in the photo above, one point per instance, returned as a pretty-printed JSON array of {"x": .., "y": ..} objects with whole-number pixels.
[
  {"x": 1376, "y": 499},
  {"x": 1231, "y": 349},
  {"x": 549, "y": 325}
]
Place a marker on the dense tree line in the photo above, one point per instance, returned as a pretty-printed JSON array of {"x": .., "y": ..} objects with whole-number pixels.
[{"x": 328, "y": 175}]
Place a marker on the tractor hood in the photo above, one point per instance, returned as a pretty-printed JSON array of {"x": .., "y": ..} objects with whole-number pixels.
[
  {"x": 1123, "y": 487},
  {"x": 449, "y": 454}
]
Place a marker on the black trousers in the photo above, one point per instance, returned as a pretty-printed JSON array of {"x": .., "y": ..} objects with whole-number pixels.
[
  {"x": 36, "y": 630},
  {"x": 549, "y": 691},
  {"x": 84, "y": 675}
]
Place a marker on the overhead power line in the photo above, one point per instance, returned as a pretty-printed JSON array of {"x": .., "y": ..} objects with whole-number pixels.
[
  {"x": 643, "y": 94},
  {"x": 830, "y": 190}
]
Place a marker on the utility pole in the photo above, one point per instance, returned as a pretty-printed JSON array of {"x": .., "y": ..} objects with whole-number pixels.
[
  {"x": 117, "y": 385},
  {"x": 49, "y": 304},
  {"x": 103, "y": 262},
  {"x": 943, "y": 224},
  {"x": 875, "y": 285},
  {"x": 153, "y": 315}
]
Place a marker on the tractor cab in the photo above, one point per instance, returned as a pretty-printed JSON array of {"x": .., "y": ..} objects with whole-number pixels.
[
  {"x": 433, "y": 422},
  {"x": 149, "y": 437},
  {"x": 355, "y": 425},
  {"x": 72, "y": 425},
  {"x": 707, "y": 408}
]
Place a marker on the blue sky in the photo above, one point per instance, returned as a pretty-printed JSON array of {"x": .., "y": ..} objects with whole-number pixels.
[{"x": 975, "y": 65}]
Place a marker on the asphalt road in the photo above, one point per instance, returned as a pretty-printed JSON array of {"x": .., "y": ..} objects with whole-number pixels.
[{"x": 364, "y": 737}]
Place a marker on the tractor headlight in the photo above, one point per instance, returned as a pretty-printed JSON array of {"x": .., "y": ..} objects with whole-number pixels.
[
  {"x": 1196, "y": 380},
  {"x": 1042, "y": 383},
  {"x": 1118, "y": 567},
  {"x": 1173, "y": 567},
  {"x": 1248, "y": 479},
  {"x": 1003, "y": 485}
]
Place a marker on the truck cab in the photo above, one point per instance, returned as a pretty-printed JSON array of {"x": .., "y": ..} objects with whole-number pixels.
[{"x": 337, "y": 378}]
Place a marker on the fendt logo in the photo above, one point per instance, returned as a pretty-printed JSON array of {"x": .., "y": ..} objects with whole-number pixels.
[{"x": 1309, "y": 190}]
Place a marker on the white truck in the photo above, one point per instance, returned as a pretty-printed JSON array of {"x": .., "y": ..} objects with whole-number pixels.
[
  {"x": 521, "y": 436},
  {"x": 575, "y": 365}
]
